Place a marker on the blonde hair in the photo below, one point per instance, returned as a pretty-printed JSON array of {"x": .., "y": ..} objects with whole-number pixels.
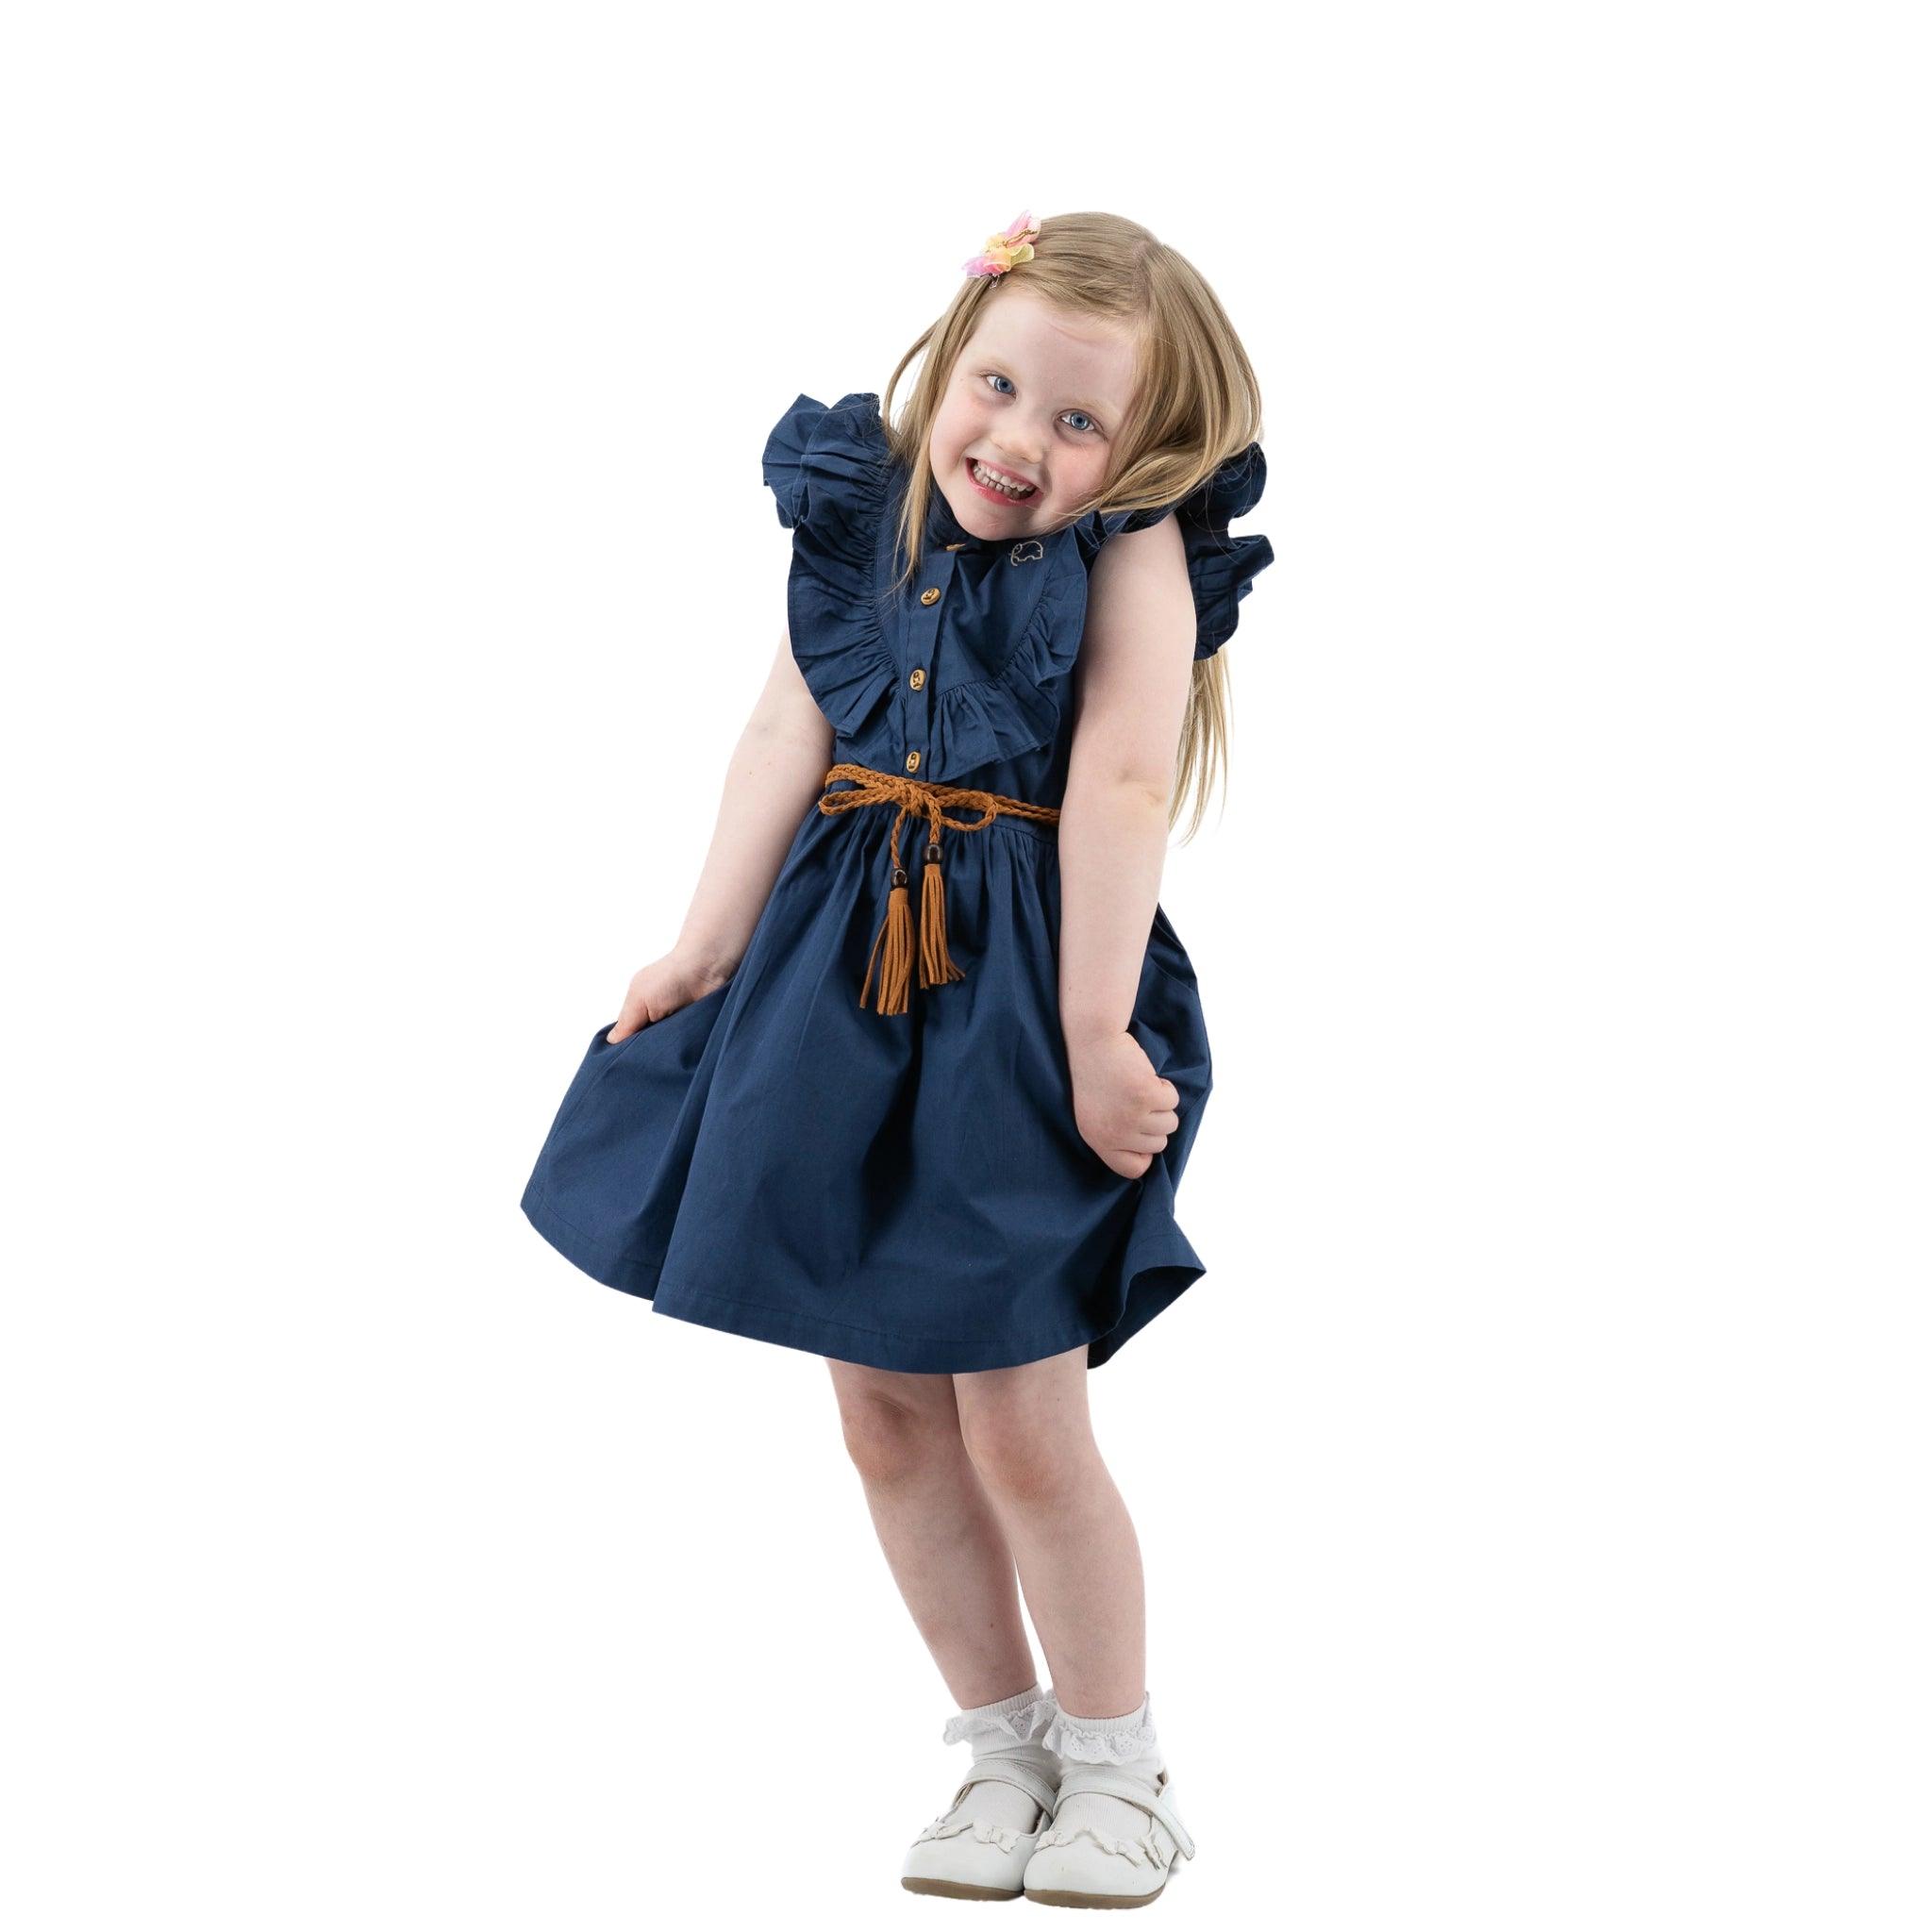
[{"x": 1196, "y": 403}]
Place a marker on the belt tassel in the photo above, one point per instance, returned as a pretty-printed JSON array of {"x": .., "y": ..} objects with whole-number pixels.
[
  {"x": 935, "y": 962},
  {"x": 896, "y": 938}
]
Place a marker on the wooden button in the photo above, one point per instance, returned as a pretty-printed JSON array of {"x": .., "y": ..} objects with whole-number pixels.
[
  {"x": 913, "y": 761},
  {"x": 918, "y": 678},
  {"x": 956, "y": 546},
  {"x": 928, "y": 596}
]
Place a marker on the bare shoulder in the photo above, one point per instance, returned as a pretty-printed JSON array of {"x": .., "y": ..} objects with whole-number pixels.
[{"x": 1134, "y": 551}]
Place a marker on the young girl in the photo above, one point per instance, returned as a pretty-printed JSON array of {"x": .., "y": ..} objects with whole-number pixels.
[{"x": 915, "y": 1085}]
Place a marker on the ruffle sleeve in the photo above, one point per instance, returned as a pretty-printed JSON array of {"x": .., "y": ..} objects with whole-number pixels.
[
  {"x": 1222, "y": 568},
  {"x": 828, "y": 468}
]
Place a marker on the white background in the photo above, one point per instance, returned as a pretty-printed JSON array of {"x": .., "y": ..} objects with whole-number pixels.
[{"x": 1532, "y": 1492}]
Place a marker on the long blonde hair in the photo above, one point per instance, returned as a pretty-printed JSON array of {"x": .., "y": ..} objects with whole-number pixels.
[{"x": 1197, "y": 403}]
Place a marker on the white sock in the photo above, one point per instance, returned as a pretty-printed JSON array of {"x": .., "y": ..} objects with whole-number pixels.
[
  {"x": 1125, "y": 1743},
  {"x": 1009, "y": 1728}
]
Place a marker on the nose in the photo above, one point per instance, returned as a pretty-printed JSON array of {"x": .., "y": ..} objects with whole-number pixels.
[{"x": 1022, "y": 442}]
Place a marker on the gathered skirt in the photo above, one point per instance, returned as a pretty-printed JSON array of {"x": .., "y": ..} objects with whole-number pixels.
[{"x": 904, "y": 1190}]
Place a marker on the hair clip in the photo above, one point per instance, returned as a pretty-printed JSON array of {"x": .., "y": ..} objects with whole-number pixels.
[{"x": 1005, "y": 250}]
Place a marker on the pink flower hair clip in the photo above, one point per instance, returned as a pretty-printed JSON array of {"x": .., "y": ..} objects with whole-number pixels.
[{"x": 1008, "y": 249}]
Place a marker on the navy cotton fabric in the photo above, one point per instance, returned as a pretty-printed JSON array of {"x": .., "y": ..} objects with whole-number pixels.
[{"x": 906, "y": 1190}]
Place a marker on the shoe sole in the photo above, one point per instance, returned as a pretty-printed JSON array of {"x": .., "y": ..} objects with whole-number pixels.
[
  {"x": 953, "y": 1887},
  {"x": 1095, "y": 1898}
]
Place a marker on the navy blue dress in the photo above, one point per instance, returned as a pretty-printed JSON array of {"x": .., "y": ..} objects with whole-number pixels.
[{"x": 904, "y": 1189}]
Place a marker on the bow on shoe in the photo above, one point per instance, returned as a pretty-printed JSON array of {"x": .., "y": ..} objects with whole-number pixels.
[
  {"x": 1145, "y": 1850},
  {"x": 1003, "y": 1836}
]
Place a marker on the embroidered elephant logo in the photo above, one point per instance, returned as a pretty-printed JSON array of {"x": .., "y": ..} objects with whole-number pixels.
[{"x": 1031, "y": 551}]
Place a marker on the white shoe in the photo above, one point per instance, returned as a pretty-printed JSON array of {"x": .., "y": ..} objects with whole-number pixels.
[
  {"x": 971, "y": 1859},
  {"x": 1082, "y": 1866}
]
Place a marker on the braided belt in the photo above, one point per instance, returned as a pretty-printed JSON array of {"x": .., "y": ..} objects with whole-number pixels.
[{"x": 892, "y": 950}]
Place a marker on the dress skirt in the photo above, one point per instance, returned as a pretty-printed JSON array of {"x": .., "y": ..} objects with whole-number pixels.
[{"x": 904, "y": 1190}]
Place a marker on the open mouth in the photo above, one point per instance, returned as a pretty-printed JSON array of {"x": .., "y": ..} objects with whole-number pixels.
[{"x": 998, "y": 485}]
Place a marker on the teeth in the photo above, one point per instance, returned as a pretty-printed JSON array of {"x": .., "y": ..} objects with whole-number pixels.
[{"x": 994, "y": 481}]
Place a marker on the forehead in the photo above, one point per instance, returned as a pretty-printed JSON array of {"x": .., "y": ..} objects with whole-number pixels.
[{"x": 1081, "y": 353}]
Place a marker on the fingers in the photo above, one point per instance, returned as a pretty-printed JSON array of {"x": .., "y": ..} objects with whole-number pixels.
[
  {"x": 1160, "y": 1119},
  {"x": 629, "y": 1021},
  {"x": 1150, "y": 1137},
  {"x": 1161, "y": 1095},
  {"x": 1139, "y": 1142}
]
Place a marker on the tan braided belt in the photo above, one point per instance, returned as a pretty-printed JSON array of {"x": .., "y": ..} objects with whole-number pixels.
[{"x": 892, "y": 950}]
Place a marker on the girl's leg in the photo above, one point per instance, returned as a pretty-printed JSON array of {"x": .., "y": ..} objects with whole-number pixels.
[
  {"x": 1028, "y": 1433},
  {"x": 940, "y": 1535}
]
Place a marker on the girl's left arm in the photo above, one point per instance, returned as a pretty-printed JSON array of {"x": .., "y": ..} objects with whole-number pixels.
[{"x": 1131, "y": 694}]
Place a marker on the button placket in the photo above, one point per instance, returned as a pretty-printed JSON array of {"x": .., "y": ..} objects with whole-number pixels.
[{"x": 924, "y": 613}]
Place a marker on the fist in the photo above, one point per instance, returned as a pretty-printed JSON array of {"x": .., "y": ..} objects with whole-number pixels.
[{"x": 1124, "y": 1109}]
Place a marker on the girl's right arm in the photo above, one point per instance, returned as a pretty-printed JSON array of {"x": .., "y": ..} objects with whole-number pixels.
[{"x": 777, "y": 771}]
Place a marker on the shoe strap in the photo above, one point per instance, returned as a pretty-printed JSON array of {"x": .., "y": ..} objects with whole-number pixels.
[
  {"x": 1117, "y": 1784},
  {"x": 1009, "y": 1771}
]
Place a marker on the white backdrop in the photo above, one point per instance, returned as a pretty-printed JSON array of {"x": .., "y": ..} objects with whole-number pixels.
[{"x": 1532, "y": 1492}]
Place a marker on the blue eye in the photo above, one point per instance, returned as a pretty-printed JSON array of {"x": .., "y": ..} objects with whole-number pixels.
[{"x": 1086, "y": 427}]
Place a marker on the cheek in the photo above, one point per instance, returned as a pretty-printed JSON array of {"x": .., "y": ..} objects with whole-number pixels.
[
  {"x": 1085, "y": 469},
  {"x": 958, "y": 429},
  {"x": 953, "y": 429}
]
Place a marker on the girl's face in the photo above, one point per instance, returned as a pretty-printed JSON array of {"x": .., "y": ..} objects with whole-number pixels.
[{"x": 1036, "y": 398}]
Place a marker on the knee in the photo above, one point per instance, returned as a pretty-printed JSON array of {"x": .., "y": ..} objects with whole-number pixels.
[
  {"x": 886, "y": 1440},
  {"x": 1020, "y": 1461}
]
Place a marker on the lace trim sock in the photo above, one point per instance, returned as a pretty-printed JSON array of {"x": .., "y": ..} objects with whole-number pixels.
[
  {"x": 1009, "y": 1728},
  {"x": 1121, "y": 1740},
  {"x": 1015, "y": 1720},
  {"x": 1129, "y": 1744}
]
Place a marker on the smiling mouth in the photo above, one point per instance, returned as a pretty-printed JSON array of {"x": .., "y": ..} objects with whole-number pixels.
[{"x": 997, "y": 483}]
